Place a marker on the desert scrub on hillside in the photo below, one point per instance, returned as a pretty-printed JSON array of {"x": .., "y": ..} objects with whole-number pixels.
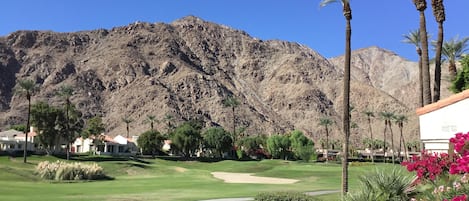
[{"x": 60, "y": 171}]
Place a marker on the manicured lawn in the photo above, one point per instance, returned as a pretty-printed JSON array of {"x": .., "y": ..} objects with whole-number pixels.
[{"x": 171, "y": 180}]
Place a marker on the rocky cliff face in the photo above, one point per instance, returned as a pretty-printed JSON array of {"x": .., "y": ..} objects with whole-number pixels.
[
  {"x": 186, "y": 69},
  {"x": 394, "y": 75}
]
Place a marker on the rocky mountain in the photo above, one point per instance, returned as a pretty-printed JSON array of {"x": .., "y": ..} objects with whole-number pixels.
[
  {"x": 186, "y": 69},
  {"x": 387, "y": 71}
]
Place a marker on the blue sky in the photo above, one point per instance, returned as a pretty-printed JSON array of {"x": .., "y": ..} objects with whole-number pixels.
[{"x": 375, "y": 22}]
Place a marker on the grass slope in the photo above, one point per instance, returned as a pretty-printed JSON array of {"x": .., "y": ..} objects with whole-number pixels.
[{"x": 169, "y": 180}]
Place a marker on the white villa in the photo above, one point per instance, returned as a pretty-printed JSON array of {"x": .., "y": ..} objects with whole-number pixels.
[
  {"x": 13, "y": 141},
  {"x": 441, "y": 120},
  {"x": 106, "y": 145}
]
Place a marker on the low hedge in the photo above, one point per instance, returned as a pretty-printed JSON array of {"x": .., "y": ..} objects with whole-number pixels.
[{"x": 284, "y": 196}]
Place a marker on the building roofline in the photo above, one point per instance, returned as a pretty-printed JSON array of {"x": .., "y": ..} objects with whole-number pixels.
[{"x": 443, "y": 103}]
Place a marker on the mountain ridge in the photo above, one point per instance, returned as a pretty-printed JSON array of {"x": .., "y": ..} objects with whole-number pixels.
[{"x": 185, "y": 68}]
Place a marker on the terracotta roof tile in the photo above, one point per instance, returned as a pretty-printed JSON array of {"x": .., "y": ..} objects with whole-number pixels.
[{"x": 443, "y": 103}]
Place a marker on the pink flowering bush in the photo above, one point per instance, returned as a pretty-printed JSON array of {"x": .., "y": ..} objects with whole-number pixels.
[{"x": 441, "y": 177}]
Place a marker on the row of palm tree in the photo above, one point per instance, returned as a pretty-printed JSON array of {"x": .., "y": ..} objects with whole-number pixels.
[{"x": 425, "y": 96}]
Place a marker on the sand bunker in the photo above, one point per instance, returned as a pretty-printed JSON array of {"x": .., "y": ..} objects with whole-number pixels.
[{"x": 229, "y": 177}]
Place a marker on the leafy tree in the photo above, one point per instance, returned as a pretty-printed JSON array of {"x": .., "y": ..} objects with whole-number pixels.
[
  {"x": 253, "y": 145},
  {"x": 413, "y": 38},
  {"x": 439, "y": 13},
  {"x": 65, "y": 92},
  {"x": 26, "y": 88},
  {"x": 301, "y": 146},
  {"x": 347, "y": 12},
  {"x": 127, "y": 121},
  {"x": 278, "y": 146},
  {"x": 232, "y": 103},
  {"x": 19, "y": 127},
  {"x": 186, "y": 138},
  {"x": 369, "y": 114},
  {"x": 461, "y": 81},
  {"x": 150, "y": 142},
  {"x": 421, "y": 5},
  {"x": 94, "y": 126},
  {"x": 152, "y": 120},
  {"x": 217, "y": 139},
  {"x": 71, "y": 126},
  {"x": 45, "y": 117},
  {"x": 326, "y": 122}
]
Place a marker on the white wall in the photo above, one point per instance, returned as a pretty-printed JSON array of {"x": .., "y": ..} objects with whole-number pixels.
[{"x": 445, "y": 122}]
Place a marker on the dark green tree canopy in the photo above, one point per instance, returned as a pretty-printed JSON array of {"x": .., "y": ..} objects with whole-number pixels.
[
  {"x": 150, "y": 141},
  {"x": 186, "y": 138},
  {"x": 94, "y": 126},
  {"x": 217, "y": 139}
]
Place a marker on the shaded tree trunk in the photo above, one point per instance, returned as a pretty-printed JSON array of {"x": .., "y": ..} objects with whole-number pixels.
[
  {"x": 346, "y": 100},
  {"x": 437, "y": 84},
  {"x": 25, "y": 149},
  {"x": 419, "y": 52},
  {"x": 371, "y": 137},
  {"x": 392, "y": 142},
  {"x": 427, "y": 94}
]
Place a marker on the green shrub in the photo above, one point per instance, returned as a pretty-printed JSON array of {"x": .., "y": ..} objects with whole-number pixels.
[
  {"x": 60, "y": 171},
  {"x": 284, "y": 196}
]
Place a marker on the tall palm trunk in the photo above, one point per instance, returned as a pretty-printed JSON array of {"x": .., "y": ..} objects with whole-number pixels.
[
  {"x": 67, "y": 128},
  {"x": 419, "y": 52},
  {"x": 392, "y": 142},
  {"x": 427, "y": 93},
  {"x": 346, "y": 101},
  {"x": 403, "y": 141},
  {"x": 384, "y": 139},
  {"x": 25, "y": 148},
  {"x": 234, "y": 125},
  {"x": 452, "y": 69},
  {"x": 371, "y": 137},
  {"x": 439, "y": 44}
]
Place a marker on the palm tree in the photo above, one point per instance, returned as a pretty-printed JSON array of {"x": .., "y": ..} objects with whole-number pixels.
[
  {"x": 326, "y": 122},
  {"x": 413, "y": 38},
  {"x": 127, "y": 121},
  {"x": 379, "y": 184},
  {"x": 369, "y": 115},
  {"x": 439, "y": 13},
  {"x": 27, "y": 88},
  {"x": 400, "y": 119},
  {"x": 387, "y": 116},
  {"x": 169, "y": 127},
  {"x": 453, "y": 50},
  {"x": 151, "y": 119},
  {"x": 347, "y": 12},
  {"x": 66, "y": 92},
  {"x": 232, "y": 103},
  {"x": 421, "y": 5}
]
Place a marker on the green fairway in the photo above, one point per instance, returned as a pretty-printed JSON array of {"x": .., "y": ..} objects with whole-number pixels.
[{"x": 170, "y": 180}]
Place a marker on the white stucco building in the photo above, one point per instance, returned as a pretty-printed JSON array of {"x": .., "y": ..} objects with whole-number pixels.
[
  {"x": 441, "y": 120},
  {"x": 107, "y": 145}
]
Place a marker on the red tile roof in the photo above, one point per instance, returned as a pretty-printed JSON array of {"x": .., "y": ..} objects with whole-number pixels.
[{"x": 443, "y": 103}]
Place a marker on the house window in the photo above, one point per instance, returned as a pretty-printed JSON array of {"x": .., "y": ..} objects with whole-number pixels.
[
  {"x": 110, "y": 148},
  {"x": 20, "y": 146},
  {"x": 121, "y": 149},
  {"x": 12, "y": 146}
]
